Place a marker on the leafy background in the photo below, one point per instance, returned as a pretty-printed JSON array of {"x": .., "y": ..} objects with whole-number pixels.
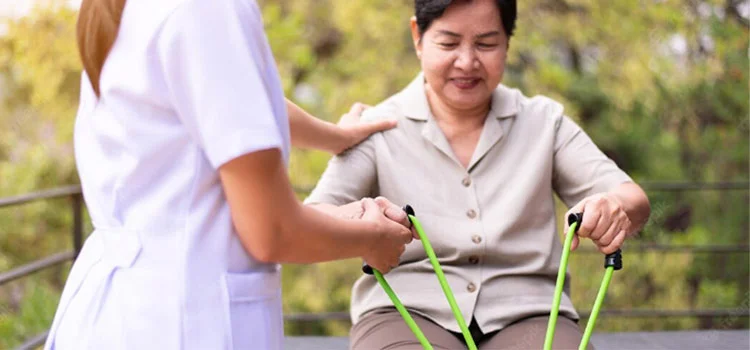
[{"x": 661, "y": 86}]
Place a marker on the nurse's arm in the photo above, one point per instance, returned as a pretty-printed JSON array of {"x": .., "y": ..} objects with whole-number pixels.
[
  {"x": 274, "y": 227},
  {"x": 310, "y": 132},
  {"x": 355, "y": 210}
]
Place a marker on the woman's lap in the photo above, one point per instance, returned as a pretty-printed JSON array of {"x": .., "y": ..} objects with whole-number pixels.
[
  {"x": 529, "y": 333},
  {"x": 386, "y": 330}
]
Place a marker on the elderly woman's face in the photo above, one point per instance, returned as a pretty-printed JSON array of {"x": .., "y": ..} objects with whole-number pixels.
[{"x": 463, "y": 53}]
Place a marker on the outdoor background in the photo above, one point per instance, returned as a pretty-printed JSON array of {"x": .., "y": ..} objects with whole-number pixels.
[{"x": 660, "y": 85}]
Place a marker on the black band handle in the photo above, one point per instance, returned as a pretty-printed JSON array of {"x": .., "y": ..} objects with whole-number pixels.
[
  {"x": 367, "y": 269},
  {"x": 614, "y": 260},
  {"x": 409, "y": 211},
  {"x": 575, "y": 218}
]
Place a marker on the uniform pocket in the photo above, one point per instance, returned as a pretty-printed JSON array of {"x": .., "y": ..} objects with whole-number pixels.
[{"x": 254, "y": 310}]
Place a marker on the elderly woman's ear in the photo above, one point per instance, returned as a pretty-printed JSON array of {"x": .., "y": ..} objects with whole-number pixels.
[{"x": 415, "y": 36}]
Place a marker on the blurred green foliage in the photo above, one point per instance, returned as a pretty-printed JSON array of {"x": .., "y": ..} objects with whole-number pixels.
[{"x": 661, "y": 86}]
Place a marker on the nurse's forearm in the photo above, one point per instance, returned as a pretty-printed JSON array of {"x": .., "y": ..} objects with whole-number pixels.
[
  {"x": 317, "y": 237},
  {"x": 274, "y": 227},
  {"x": 635, "y": 203},
  {"x": 352, "y": 210},
  {"x": 310, "y": 132}
]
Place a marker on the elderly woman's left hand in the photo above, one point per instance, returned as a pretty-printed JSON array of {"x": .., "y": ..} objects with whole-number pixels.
[{"x": 605, "y": 222}]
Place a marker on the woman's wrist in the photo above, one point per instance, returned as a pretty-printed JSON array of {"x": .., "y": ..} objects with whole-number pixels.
[
  {"x": 365, "y": 233},
  {"x": 339, "y": 139},
  {"x": 635, "y": 202},
  {"x": 349, "y": 211},
  {"x": 308, "y": 131},
  {"x": 370, "y": 235}
]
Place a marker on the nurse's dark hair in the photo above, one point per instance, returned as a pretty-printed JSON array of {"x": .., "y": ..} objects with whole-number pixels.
[
  {"x": 96, "y": 31},
  {"x": 427, "y": 11}
]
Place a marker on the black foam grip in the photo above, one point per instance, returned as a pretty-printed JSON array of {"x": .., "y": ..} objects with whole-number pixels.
[
  {"x": 575, "y": 217},
  {"x": 614, "y": 260}
]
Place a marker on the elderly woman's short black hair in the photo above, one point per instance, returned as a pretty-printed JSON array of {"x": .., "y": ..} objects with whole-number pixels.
[{"x": 427, "y": 11}]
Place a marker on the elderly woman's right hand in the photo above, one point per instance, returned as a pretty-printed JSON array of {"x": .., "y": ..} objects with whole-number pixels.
[
  {"x": 391, "y": 237},
  {"x": 395, "y": 213},
  {"x": 355, "y": 210}
]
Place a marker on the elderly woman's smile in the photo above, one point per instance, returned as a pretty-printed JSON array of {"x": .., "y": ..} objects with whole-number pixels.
[{"x": 467, "y": 83}]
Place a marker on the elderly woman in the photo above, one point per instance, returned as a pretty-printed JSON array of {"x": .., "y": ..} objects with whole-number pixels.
[{"x": 480, "y": 163}]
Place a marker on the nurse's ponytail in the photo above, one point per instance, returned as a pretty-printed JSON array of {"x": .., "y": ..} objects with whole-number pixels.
[{"x": 98, "y": 24}]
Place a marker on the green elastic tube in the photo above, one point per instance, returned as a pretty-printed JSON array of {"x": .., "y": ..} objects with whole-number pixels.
[
  {"x": 402, "y": 310},
  {"x": 457, "y": 312},
  {"x": 559, "y": 287},
  {"x": 443, "y": 283},
  {"x": 612, "y": 262},
  {"x": 597, "y": 306}
]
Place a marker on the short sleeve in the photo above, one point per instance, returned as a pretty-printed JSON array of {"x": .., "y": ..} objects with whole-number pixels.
[
  {"x": 214, "y": 57},
  {"x": 349, "y": 177},
  {"x": 580, "y": 168}
]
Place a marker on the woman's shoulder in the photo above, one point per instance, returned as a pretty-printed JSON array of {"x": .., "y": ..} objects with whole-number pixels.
[
  {"x": 410, "y": 103},
  {"x": 533, "y": 108},
  {"x": 387, "y": 109}
]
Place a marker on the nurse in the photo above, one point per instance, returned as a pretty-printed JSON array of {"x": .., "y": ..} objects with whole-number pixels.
[{"x": 181, "y": 143}]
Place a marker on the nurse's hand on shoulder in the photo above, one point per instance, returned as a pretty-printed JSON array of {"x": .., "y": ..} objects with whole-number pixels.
[
  {"x": 391, "y": 241},
  {"x": 355, "y": 130},
  {"x": 605, "y": 222}
]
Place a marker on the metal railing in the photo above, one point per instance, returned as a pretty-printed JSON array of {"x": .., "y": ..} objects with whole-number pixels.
[
  {"x": 77, "y": 207},
  {"x": 72, "y": 192},
  {"x": 76, "y": 204},
  {"x": 629, "y": 313}
]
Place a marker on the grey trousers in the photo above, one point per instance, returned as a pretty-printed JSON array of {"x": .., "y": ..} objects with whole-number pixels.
[{"x": 386, "y": 330}]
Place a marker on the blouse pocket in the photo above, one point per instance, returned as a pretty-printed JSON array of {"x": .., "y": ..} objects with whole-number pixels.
[{"x": 254, "y": 310}]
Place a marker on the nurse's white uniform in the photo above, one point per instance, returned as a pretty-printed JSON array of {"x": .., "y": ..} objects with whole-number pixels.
[{"x": 188, "y": 86}]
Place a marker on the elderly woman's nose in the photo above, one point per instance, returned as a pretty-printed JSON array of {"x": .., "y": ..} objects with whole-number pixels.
[{"x": 466, "y": 59}]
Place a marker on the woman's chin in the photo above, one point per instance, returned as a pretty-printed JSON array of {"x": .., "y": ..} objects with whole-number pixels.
[{"x": 468, "y": 102}]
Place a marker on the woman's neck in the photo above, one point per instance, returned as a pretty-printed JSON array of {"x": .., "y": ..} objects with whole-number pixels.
[
  {"x": 461, "y": 127},
  {"x": 453, "y": 120}
]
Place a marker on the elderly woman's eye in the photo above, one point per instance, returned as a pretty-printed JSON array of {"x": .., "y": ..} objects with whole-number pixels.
[
  {"x": 447, "y": 45},
  {"x": 486, "y": 45}
]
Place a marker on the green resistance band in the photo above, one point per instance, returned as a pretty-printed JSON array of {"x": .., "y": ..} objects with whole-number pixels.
[
  {"x": 443, "y": 283},
  {"x": 612, "y": 262}
]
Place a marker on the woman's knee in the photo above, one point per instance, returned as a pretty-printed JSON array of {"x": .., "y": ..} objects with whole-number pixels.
[
  {"x": 386, "y": 330},
  {"x": 530, "y": 334}
]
